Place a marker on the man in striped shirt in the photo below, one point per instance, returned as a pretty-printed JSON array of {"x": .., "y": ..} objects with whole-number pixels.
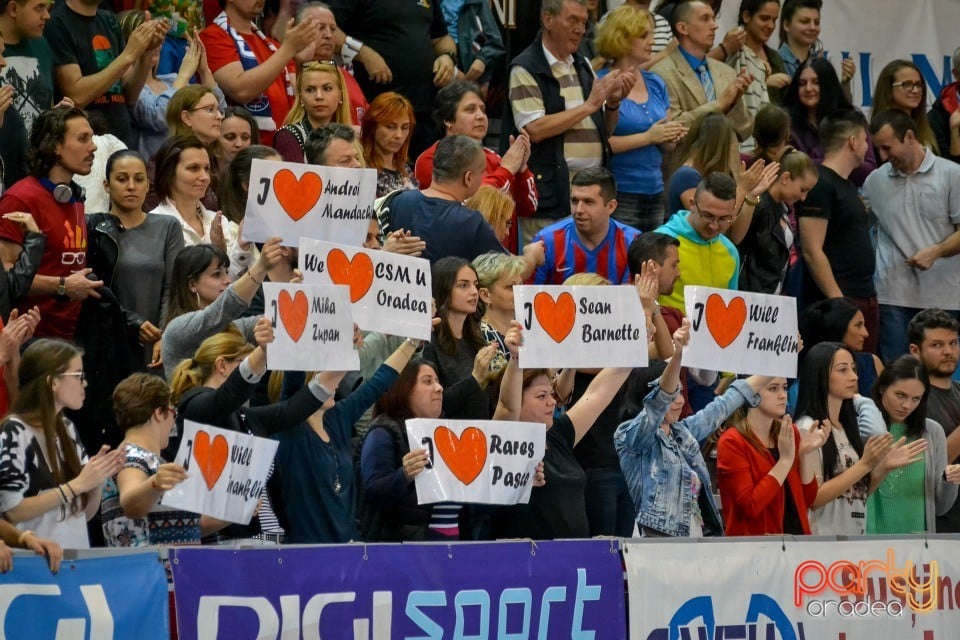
[
  {"x": 588, "y": 241},
  {"x": 555, "y": 98}
]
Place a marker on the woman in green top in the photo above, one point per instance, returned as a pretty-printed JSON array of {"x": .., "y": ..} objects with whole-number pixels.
[{"x": 908, "y": 499}]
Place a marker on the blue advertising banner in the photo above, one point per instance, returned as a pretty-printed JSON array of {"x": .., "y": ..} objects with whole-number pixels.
[
  {"x": 508, "y": 590},
  {"x": 98, "y": 598}
]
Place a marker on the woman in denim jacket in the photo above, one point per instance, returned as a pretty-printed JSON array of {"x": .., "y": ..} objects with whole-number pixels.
[{"x": 660, "y": 455}]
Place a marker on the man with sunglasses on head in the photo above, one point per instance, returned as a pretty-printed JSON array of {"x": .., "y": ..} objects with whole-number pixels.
[
  {"x": 61, "y": 147},
  {"x": 709, "y": 258}
]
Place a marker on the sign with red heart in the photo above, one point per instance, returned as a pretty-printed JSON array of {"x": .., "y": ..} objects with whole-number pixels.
[
  {"x": 312, "y": 327},
  {"x": 477, "y": 461},
  {"x": 580, "y": 326},
  {"x": 741, "y": 332},
  {"x": 291, "y": 200},
  {"x": 390, "y": 293},
  {"x": 226, "y": 472}
]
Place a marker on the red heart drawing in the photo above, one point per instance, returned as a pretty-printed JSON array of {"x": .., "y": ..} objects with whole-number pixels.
[
  {"x": 464, "y": 456},
  {"x": 211, "y": 457},
  {"x": 293, "y": 312},
  {"x": 297, "y": 197},
  {"x": 358, "y": 273},
  {"x": 556, "y": 318},
  {"x": 725, "y": 321}
]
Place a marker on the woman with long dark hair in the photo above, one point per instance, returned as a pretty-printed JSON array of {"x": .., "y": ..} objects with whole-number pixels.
[
  {"x": 858, "y": 451},
  {"x": 814, "y": 93},
  {"x": 909, "y": 499},
  {"x": 47, "y": 482}
]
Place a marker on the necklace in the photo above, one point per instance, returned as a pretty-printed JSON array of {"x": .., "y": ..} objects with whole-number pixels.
[{"x": 330, "y": 452}]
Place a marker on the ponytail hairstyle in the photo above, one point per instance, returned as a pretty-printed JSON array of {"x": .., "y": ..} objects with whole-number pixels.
[{"x": 230, "y": 345}]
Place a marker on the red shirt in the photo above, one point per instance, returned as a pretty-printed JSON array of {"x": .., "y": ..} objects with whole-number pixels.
[
  {"x": 65, "y": 251},
  {"x": 358, "y": 102},
  {"x": 521, "y": 187},
  {"x": 222, "y": 50},
  {"x": 753, "y": 500}
]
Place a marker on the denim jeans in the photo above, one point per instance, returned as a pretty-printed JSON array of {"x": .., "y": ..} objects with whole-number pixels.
[
  {"x": 610, "y": 509},
  {"x": 640, "y": 211}
]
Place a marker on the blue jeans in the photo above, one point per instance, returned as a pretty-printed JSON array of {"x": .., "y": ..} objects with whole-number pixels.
[
  {"x": 640, "y": 211},
  {"x": 610, "y": 509},
  {"x": 893, "y": 340}
]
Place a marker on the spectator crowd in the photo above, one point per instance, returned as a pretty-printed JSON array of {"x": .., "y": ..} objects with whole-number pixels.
[{"x": 637, "y": 146}]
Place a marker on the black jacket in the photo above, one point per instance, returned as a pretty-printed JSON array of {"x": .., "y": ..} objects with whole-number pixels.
[
  {"x": 939, "y": 119},
  {"x": 103, "y": 253},
  {"x": 17, "y": 281},
  {"x": 764, "y": 252}
]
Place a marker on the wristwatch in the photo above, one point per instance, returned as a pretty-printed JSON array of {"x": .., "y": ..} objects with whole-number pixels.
[{"x": 61, "y": 294}]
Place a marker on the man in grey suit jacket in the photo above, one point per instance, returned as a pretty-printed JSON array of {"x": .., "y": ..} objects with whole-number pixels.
[{"x": 697, "y": 83}]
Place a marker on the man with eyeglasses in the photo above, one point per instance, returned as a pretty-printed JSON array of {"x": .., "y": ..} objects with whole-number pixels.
[
  {"x": 916, "y": 198},
  {"x": 709, "y": 258}
]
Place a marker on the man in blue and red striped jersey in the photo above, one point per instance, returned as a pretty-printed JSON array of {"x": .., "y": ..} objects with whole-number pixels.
[{"x": 588, "y": 241}]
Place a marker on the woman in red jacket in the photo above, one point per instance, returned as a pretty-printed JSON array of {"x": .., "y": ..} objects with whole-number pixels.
[{"x": 760, "y": 456}]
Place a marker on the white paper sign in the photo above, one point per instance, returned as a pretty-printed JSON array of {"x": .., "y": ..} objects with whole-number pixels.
[
  {"x": 581, "y": 326},
  {"x": 390, "y": 293},
  {"x": 741, "y": 332},
  {"x": 478, "y": 461},
  {"x": 226, "y": 472},
  {"x": 313, "y": 328},
  {"x": 292, "y": 200}
]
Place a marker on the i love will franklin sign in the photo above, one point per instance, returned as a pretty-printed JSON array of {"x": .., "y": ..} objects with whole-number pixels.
[{"x": 740, "y": 332}]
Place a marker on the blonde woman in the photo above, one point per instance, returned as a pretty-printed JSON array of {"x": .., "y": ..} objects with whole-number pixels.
[
  {"x": 496, "y": 207},
  {"x": 321, "y": 98}
]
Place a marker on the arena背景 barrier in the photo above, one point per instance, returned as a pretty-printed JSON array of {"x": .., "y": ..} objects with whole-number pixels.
[{"x": 778, "y": 588}]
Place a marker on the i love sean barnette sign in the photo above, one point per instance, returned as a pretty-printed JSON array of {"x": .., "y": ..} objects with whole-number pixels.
[
  {"x": 290, "y": 200},
  {"x": 478, "y": 461},
  {"x": 580, "y": 326},
  {"x": 226, "y": 472},
  {"x": 741, "y": 332}
]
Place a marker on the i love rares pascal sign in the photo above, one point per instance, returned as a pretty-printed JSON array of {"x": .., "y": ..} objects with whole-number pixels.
[
  {"x": 290, "y": 200},
  {"x": 478, "y": 461},
  {"x": 741, "y": 332}
]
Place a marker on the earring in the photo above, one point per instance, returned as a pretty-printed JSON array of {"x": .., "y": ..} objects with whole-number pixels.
[{"x": 197, "y": 293}]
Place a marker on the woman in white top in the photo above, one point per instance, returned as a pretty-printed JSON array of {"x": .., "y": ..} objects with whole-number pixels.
[
  {"x": 182, "y": 177},
  {"x": 859, "y": 451},
  {"x": 47, "y": 482}
]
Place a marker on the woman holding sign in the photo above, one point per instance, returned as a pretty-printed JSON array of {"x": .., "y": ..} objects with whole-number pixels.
[
  {"x": 766, "y": 479},
  {"x": 132, "y": 515},
  {"x": 214, "y": 386},
  {"x": 909, "y": 499},
  {"x": 203, "y": 300},
  {"x": 847, "y": 469},
  {"x": 388, "y": 467},
  {"x": 660, "y": 454},
  {"x": 316, "y": 460},
  {"x": 47, "y": 482}
]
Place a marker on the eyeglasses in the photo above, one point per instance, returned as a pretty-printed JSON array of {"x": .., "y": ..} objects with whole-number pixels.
[
  {"x": 909, "y": 86},
  {"x": 709, "y": 218},
  {"x": 211, "y": 111},
  {"x": 75, "y": 374}
]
